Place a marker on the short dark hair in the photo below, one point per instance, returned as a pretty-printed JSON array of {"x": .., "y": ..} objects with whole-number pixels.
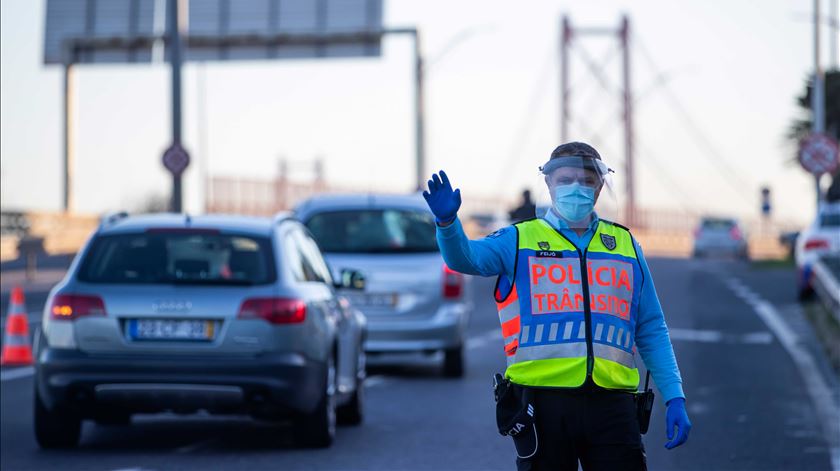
[{"x": 575, "y": 149}]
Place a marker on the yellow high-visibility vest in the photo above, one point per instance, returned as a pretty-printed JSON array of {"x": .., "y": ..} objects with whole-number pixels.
[{"x": 569, "y": 314}]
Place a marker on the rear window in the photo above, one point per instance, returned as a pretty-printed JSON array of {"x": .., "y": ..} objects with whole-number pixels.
[
  {"x": 374, "y": 231},
  {"x": 179, "y": 257},
  {"x": 830, "y": 220},
  {"x": 717, "y": 224}
]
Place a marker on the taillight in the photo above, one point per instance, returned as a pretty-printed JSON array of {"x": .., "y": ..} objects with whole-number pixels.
[
  {"x": 812, "y": 244},
  {"x": 453, "y": 283},
  {"x": 735, "y": 233},
  {"x": 74, "y": 306},
  {"x": 274, "y": 310}
]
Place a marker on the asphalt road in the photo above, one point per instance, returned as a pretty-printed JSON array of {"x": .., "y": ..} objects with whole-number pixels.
[{"x": 740, "y": 340}]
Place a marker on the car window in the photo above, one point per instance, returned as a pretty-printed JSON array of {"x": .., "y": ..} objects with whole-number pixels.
[
  {"x": 293, "y": 257},
  {"x": 179, "y": 257},
  {"x": 717, "y": 224},
  {"x": 314, "y": 259},
  {"x": 830, "y": 220},
  {"x": 374, "y": 231}
]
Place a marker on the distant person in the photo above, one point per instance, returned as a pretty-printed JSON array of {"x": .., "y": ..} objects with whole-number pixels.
[
  {"x": 527, "y": 210},
  {"x": 576, "y": 303}
]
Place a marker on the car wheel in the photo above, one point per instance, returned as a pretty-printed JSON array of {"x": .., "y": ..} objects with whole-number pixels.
[
  {"x": 56, "y": 429},
  {"x": 453, "y": 362},
  {"x": 353, "y": 412},
  {"x": 317, "y": 429}
]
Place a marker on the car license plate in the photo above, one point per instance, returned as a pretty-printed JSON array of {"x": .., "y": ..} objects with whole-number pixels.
[
  {"x": 170, "y": 329},
  {"x": 372, "y": 299}
]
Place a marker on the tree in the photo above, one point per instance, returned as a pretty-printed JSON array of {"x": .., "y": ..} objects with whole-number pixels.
[{"x": 801, "y": 127}]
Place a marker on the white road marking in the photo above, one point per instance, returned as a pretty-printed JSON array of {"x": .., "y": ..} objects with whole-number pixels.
[
  {"x": 696, "y": 335},
  {"x": 821, "y": 395},
  {"x": 194, "y": 446},
  {"x": 717, "y": 336},
  {"x": 758, "y": 338},
  {"x": 375, "y": 380},
  {"x": 484, "y": 338},
  {"x": 17, "y": 373}
]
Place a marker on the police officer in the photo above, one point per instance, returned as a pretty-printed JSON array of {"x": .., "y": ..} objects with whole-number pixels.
[{"x": 576, "y": 302}]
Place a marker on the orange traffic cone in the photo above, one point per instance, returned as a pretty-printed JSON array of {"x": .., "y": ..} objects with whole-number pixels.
[{"x": 16, "y": 348}]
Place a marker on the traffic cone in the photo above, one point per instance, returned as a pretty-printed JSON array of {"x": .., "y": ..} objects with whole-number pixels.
[{"x": 16, "y": 348}]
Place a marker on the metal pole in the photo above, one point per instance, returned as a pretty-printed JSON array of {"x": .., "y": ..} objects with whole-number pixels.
[
  {"x": 628, "y": 122},
  {"x": 565, "y": 36},
  {"x": 817, "y": 92},
  {"x": 420, "y": 150},
  {"x": 174, "y": 40},
  {"x": 69, "y": 109},
  {"x": 833, "y": 17},
  {"x": 202, "y": 133}
]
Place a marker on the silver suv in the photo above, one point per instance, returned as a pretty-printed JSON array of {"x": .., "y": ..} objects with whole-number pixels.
[
  {"x": 412, "y": 300},
  {"x": 175, "y": 313}
]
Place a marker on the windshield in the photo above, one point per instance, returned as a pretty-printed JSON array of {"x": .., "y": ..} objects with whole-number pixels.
[
  {"x": 179, "y": 257},
  {"x": 374, "y": 231},
  {"x": 717, "y": 224}
]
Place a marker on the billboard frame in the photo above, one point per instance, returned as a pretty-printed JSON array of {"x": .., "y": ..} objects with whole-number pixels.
[{"x": 174, "y": 38}]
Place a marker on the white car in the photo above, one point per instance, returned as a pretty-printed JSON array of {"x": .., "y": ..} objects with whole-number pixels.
[
  {"x": 821, "y": 238},
  {"x": 413, "y": 302}
]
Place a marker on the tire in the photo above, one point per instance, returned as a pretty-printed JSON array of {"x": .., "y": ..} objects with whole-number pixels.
[
  {"x": 56, "y": 429},
  {"x": 353, "y": 412},
  {"x": 317, "y": 429},
  {"x": 453, "y": 362}
]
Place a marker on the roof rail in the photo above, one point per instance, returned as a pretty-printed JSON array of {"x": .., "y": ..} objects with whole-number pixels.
[{"x": 111, "y": 218}]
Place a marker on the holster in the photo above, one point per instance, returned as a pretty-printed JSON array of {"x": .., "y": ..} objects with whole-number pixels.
[
  {"x": 644, "y": 405},
  {"x": 515, "y": 415}
]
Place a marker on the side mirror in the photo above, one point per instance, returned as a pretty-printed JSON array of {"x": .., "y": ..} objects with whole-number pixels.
[{"x": 350, "y": 279}]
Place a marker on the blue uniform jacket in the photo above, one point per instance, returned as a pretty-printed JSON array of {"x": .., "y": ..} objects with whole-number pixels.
[{"x": 496, "y": 254}]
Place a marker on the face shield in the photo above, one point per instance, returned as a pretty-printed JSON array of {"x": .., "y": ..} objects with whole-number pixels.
[{"x": 570, "y": 189}]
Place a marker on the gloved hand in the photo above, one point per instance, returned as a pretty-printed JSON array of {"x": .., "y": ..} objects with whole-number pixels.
[
  {"x": 676, "y": 416},
  {"x": 443, "y": 202}
]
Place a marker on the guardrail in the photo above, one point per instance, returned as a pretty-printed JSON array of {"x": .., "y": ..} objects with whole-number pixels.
[{"x": 826, "y": 283}]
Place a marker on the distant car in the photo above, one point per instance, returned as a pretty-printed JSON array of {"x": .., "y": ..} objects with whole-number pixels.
[
  {"x": 821, "y": 238},
  {"x": 218, "y": 313},
  {"x": 412, "y": 300},
  {"x": 719, "y": 237}
]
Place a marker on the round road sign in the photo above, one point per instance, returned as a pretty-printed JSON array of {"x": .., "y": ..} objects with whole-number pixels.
[
  {"x": 818, "y": 154},
  {"x": 176, "y": 159}
]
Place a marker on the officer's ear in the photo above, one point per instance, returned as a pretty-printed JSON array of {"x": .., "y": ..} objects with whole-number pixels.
[{"x": 598, "y": 192}]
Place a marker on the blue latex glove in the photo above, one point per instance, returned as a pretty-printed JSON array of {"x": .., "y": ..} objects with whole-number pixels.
[
  {"x": 676, "y": 416},
  {"x": 443, "y": 202}
]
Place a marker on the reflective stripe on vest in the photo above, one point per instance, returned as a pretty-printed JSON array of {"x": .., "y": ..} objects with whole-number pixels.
[{"x": 544, "y": 311}]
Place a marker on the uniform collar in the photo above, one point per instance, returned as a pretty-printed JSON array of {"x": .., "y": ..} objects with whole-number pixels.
[{"x": 561, "y": 225}]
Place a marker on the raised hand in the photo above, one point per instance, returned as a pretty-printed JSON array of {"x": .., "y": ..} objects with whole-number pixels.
[{"x": 443, "y": 202}]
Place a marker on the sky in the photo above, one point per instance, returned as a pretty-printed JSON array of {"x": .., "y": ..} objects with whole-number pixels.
[{"x": 715, "y": 84}]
